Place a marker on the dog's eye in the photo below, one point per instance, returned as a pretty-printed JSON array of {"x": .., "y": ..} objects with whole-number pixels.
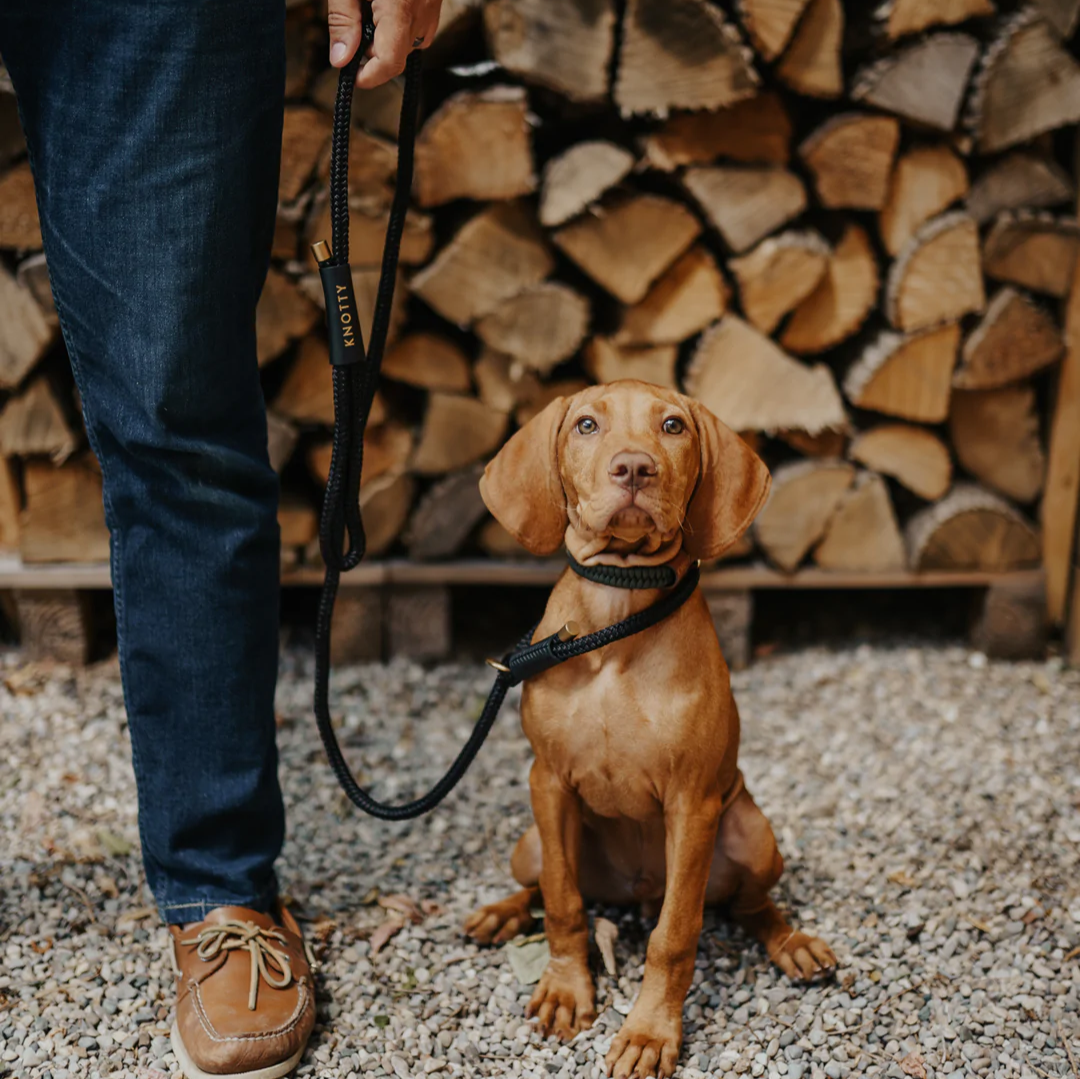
[
  {"x": 586, "y": 425},
  {"x": 674, "y": 426}
]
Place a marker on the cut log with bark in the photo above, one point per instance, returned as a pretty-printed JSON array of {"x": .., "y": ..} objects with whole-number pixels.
[
  {"x": 281, "y": 439},
  {"x": 565, "y": 45},
  {"x": 365, "y": 281},
  {"x": 904, "y": 17},
  {"x": 1019, "y": 181},
  {"x": 752, "y": 385},
  {"x": 305, "y": 137},
  {"x": 756, "y": 131},
  {"x": 19, "y": 224},
  {"x": 828, "y": 443},
  {"x": 372, "y": 165},
  {"x": 608, "y": 361},
  {"x": 446, "y": 516},
  {"x": 55, "y": 625},
  {"x": 544, "y": 394},
  {"x": 25, "y": 332},
  {"x": 33, "y": 275},
  {"x": 579, "y": 176},
  {"x": 10, "y": 507},
  {"x": 687, "y": 297},
  {"x": 32, "y": 422},
  {"x": 456, "y": 432},
  {"x": 681, "y": 54},
  {"x": 812, "y": 64},
  {"x": 625, "y": 244},
  {"x": 937, "y": 277},
  {"x": 971, "y": 528},
  {"x": 924, "y": 82},
  {"x": 307, "y": 394},
  {"x": 503, "y": 383},
  {"x": 927, "y": 181},
  {"x": 367, "y": 235},
  {"x": 746, "y": 204},
  {"x": 284, "y": 313},
  {"x": 862, "y": 533},
  {"x": 429, "y": 361},
  {"x": 498, "y": 164},
  {"x": 385, "y": 504},
  {"x": 842, "y": 300},
  {"x": 851, "y": 159},
  {"x": 770, "y": 23},
  {"x": 1015, "y": 338},
  {"x": 996, "y": 437},
  {"x": 494, "y": 256},
  {"x": 913, "y": 456},
  {"x": 64, "y": 518},
  {"x": 298, "y": 521},
  {"x": 907, "y": 376},
  {"x": 1027, "y": 83},
  {"x": 541, "y": 326},
  {"x": 778, "y": 274},
  {"x": 495, "y": 541},
  {"x": 387, "y": 449},
  {"x": 1062, "y": 15},
  {"x": 803, "y": 498},
  {"x": 1035, "y": 251}
]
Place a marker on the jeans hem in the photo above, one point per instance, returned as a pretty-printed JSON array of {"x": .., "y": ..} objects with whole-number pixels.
[{"x": 180, "y": 912}]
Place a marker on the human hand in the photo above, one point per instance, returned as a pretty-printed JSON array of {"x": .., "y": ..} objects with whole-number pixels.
[{"x": 400, "y": 26}]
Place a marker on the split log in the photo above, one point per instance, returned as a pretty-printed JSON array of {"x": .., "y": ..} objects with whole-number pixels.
[
  {"x": 298, "y": 521},
  {"x": 367, "y": 236},
  {"x": 812, "y": 63},
  {"x": 827, "y": 443},
  {"x": 33, "y": 275},
  {"x": 495, "y": 541},
  {"x": 55, "y": 625},
  {"x": 746, "y": 204},
  {"x": 1020, "y": 181},
  {"x": 971, "y": 528},
  {"x": 803, "y": 498},
  {"x": 377, "y": 111},
  {"x": 1035, "y": 251},
  {"x": 770, "y": 23},
  {"x": 910, "y": 377},
  {"x": 749, "y": 383},
  {"x": 428, "y": 361},
  {"x": 1027, "y": 84},
  {"x": 851, "y": 159},
  {"x": 924, "y": 82},
  {"x": 1012, "y": 622},
  {"x": 1062, "y": 15},
  {"x": 862, "y": 533},
  {"x": 915, "y": 457},
  {"x": 996, "y": 437},
  {"x": 387, "y": 449},
  {"x": 579, "y": 176},
  {"x": 33, "y": 423},
  {"x": 27, "y": 333},
  {"x": 456, "y": 432},
  {"x": 689, "y": 296},
  {"x": 10, "y": 507},
  {"x": 778, "y": 274},
  {"x": 19, "y": 224},
  {"x": 281, "y": 438},
  {"x": 543, "y": 396},
  {"x": 372, "y": 166},
  {"x": 937, "y": 276},
  {"x": 445, "y": 516},
  {"x": 1015, "y": 338},
  {"x": 541, "y": 326},
  {"x": 607, "y": 361},
  {"x": 910, "y": 16},
  {"x": 385, "y": 505},
  {"x": 565, "y": 45},
  {"x": 681, "y": 54},
  {"x": 498, "y": 163},
  {"x": 418, "y": 622},
  {"x": 494, "y": 256},
  {"x": 840, "y": 303},
  {"x": 503, "y": 383},
  {"x": 365, "y": 281},
  {"x": 626, "y": 244},
  {"x": 286, "y": 243},
  {"x": 927, "y": 181},
  {"x": 305, "y": 136},
  {"x": 307, "y": 394},
  {"x": 756, "y": 131},
  {"x": 64, "y": 518},
  {"x": 283, "y": 314}
]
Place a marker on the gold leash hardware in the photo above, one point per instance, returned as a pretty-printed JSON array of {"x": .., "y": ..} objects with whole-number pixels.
[{"x": 321, "y": 250}]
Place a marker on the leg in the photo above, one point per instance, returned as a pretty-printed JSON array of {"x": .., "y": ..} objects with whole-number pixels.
[
  {"x": 746, "y": 842},
  {"x": 499, "y": 922},
  {"x": 648, "y": 1042},
  {"x": 154, "y": 131}
]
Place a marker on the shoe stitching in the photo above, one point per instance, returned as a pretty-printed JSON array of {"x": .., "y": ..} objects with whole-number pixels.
[{"x": 213, "y": 1035}]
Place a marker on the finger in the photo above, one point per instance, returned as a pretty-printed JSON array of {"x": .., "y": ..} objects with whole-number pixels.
[
  {"x": 508, "y": 931},
  {"x": 647, "y": 1064},
  {"x": 627, "y": 1061},
  {"x": 616, "y": 1051},
  {"x": 424, "y": 31},
  {"x": 787, "y": 964},
  {"x": 822, "y": 953},
  {"x": 343, "y": 19},
  {"x": 669, "y": 1057},
  {"x": 389, "y": 50},
  {"x": 805, "y": 962},
  {"x": 547, "y": 1013},
  {"x": 564, "y": 1022}
]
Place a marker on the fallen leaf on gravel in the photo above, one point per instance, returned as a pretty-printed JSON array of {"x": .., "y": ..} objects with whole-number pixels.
[
  {"x": 606, "y": 934},
  {"x": 116, "y": 845},
  {"x": 107, "y": 886},
  {"x": 981, "y": 926},
  {"x": 322, "y": 929},
  {"x": 912, "y": 1065},
  {"x": 403, "y": 905},
  {"x": 902, "y": 878},
  {"x": 430, "y": 906},
  {"x": 390, "y": 928},
  {"x": 528, "y": 960}
]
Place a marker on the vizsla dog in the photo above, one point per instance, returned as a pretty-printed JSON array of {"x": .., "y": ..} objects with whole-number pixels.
[{"x": 636, "y": 790}]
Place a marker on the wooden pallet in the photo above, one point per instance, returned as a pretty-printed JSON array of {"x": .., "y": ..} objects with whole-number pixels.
[{"x": 401, "y": 608}]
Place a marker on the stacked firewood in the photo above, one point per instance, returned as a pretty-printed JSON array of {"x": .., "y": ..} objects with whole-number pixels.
[{"x": 846, "y": 229}]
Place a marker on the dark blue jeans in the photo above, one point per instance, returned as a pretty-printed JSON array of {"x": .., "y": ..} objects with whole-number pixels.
[{"x": 154, "y": 129}]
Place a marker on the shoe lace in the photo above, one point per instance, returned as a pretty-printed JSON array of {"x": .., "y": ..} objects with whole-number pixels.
[{"x": 267, "y": 960}]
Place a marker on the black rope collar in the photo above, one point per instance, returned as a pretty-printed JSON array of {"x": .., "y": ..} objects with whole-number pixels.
[{"x": 626, "y": 576}]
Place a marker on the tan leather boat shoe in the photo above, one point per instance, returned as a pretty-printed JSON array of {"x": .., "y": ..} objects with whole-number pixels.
[{"x": 245, "y": 1002}]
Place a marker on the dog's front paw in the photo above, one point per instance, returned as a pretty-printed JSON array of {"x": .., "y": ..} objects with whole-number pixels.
[
  {"x": 803, "y": 957},
  {"x": 647, "y": 1044},
  {"x": 499, "y": 922},
  {"x": 564, "y": 1002}
]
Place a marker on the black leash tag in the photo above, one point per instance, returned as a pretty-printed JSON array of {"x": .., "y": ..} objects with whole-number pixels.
[{"x": 342, "y": 321}]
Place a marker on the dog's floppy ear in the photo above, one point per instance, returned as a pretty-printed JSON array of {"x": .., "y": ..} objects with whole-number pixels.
[
  {"x": 731, "y": 488},
  {"x": 521, "y": 484}
]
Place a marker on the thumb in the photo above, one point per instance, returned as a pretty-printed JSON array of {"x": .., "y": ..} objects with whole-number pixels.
[{"x": 343, "y": 19}]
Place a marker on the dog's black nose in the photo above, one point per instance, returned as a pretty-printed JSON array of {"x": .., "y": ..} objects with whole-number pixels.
[{"x": 633, "y": 470}]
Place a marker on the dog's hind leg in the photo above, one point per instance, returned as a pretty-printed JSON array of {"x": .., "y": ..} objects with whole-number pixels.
[{"x": 499, "y": 922}]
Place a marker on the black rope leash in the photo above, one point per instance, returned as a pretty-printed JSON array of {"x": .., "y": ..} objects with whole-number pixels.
[{"x": 356, "y": 376}]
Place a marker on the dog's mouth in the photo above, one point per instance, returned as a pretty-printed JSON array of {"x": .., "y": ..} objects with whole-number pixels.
[{"x": 632, "y": 514}]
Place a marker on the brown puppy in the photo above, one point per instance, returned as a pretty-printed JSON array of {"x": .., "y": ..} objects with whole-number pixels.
[{"x": 635, "y": 788}]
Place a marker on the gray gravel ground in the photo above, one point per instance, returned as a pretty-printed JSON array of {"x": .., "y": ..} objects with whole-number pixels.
[{"x": 926, "y": 802}]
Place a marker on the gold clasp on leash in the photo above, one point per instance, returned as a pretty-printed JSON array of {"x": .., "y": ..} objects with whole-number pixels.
[
  {"x": 496, "y": 665},
  {"x": 568, "y": 633}
]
